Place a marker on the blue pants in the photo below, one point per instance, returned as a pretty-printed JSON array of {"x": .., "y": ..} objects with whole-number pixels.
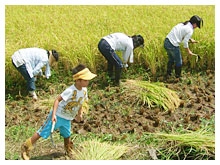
[
  {"x": 173, "y": 53},
  {"x": 109, "y": 54},
  {"x": 63, "y": 125},
  {"x": 30, "y": 81}
]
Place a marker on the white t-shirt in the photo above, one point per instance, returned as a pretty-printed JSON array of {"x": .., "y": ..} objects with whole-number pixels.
[
  {"x": 71, "y": 103},
  {"x": 121, "y": 42},
  {"x": 180, "y": 33}
]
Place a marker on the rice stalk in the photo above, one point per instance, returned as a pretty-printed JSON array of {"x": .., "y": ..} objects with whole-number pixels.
[
  {"x": 201, "y": 140},
  {"x": 96, "y": 150},
  {"x": 152, "y": 94}
]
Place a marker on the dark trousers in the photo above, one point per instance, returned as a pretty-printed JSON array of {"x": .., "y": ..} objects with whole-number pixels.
[
  {"x": 110, "y": 55},
  {"x": 173, "y": 53},
  {"x": 30, "y": 81},
  {"x": 174, "y": 56}
]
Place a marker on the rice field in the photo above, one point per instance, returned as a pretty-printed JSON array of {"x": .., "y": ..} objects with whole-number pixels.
[
  {"x": 75, "y": 31},
  {"x": 142, "y": 120}
]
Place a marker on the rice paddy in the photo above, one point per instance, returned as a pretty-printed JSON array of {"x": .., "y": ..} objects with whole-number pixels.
[
  {"x": 75, "y": 31},
  {"x": 146, "y": 118}
]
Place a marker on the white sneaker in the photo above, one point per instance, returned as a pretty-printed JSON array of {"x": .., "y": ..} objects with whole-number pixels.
[{"x": 33, "y": 94}]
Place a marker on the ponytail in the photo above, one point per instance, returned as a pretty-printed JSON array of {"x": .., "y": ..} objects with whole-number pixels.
[{"x": 184, "y": 23}]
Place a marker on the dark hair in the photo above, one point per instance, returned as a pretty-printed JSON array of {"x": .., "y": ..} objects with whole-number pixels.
[
  {"x": 195, "y": 19},
  {"x": 184, "y": 23},
  {"x": 55, "y": 54},
  {"x": 78, "y": 68},
  {"x": 138, "y": 40}
]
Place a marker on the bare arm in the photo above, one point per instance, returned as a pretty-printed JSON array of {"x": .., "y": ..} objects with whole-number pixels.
[
  {"x": 79, "y": 115},
  {"x": 189, "y": 51},
  {"x": 55, "y": 106}
]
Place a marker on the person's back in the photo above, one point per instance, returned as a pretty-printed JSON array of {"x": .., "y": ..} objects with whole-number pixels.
[
  {"x": 33, "y": 55},
  {"x": 119, "y": 41},
  {"x": 179, "y": 32}
]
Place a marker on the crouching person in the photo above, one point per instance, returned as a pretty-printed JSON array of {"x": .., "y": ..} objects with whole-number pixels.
[
  {"x": 30, "y": 61},
  {"x": 67, "y": 106},
  {"x": 111, "y": 43}
]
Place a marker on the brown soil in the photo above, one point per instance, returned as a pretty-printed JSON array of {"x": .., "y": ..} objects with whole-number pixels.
[{"x": 116, "y": 114}]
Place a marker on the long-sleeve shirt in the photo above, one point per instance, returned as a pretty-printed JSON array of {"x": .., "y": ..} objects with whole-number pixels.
[
  {"x": 181, "y": 33},
  {"x": 34, "y": 59},
  {"x": 121, "y": 42}
]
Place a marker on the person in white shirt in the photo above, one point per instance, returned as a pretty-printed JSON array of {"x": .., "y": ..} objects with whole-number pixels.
[
  {"x": 29, "y": 62},
  {"x": 67, "y": 106},
  {"x": 119, "y": 42},
  {"x": 182, "y": 32}
]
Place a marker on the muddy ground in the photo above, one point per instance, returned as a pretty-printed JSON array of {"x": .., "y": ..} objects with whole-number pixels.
[{"x": 112, "y": 112}]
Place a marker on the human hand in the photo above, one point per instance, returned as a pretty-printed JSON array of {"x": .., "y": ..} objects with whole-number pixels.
[
  {"x": 54, "y": 118},
  {"x": 194, "y": 41},
  {"x": 35, "y": 78},
  {"x": 78, "y": 118}
]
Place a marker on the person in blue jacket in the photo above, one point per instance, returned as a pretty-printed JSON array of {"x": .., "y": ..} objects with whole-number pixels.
[{"x": 29, "y": 61}]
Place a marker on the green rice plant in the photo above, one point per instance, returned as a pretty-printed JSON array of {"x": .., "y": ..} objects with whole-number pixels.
[
  {"x": 152, "y": 94},
  {"x": 96, "y": 150}
]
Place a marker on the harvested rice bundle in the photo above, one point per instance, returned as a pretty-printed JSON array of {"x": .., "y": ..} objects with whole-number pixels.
[
  {"x": 152, "y": 94},
  {"x": 202, "y": 140},
  {"x": 96, "y": 150}
]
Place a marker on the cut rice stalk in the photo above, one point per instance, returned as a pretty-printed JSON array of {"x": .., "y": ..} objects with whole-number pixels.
[
  {"x": 95, "y": 150},
  {"x": 152, "y": 94}
]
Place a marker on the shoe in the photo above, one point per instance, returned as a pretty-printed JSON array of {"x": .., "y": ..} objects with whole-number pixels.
[
  {"x": 178, "y": 71},
  {"x": 169, "y": 68},
  {"x": 34, "y": 95},
  {"x": 25, "y": 149},
  {"x": 117, "y": 76},
  {"x": 68, "y": 149}
]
